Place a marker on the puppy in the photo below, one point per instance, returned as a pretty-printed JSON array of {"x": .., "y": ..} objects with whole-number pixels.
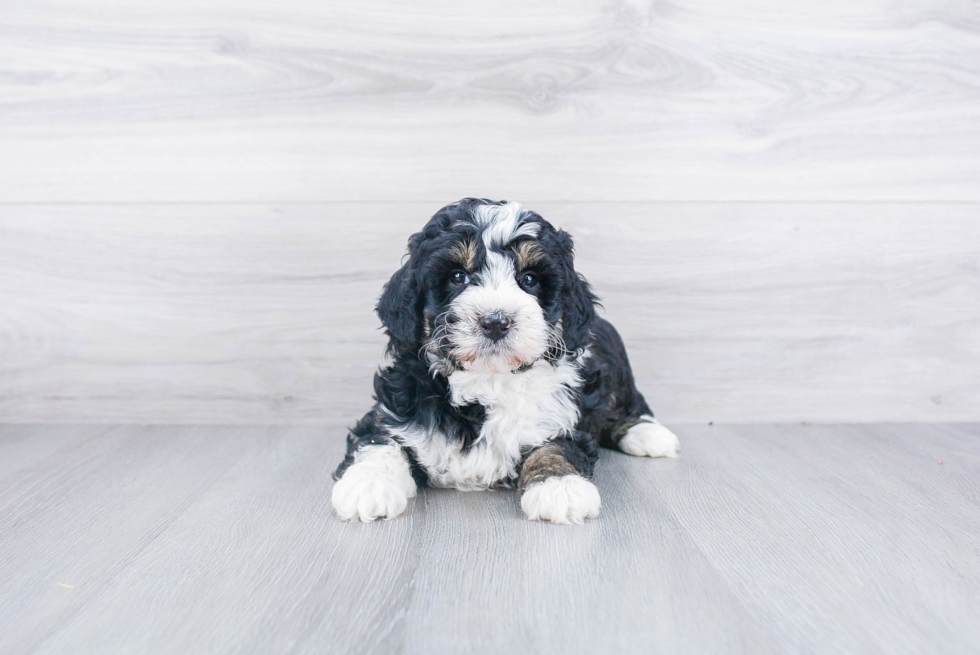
[{"x": 501, "y": 374}]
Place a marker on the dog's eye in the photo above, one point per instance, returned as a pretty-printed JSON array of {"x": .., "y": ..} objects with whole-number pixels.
[
  {"x": 529, "y": 280},
  {"x": 459, "y": 277}
]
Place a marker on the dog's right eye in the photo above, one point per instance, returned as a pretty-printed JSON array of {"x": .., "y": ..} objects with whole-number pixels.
[{"x": 459, "y": 277}]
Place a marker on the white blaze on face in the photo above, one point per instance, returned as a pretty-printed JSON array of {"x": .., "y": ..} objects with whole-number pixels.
[
  {"x": 502, "y": 224},
  {"x": 495, "y": 291}
]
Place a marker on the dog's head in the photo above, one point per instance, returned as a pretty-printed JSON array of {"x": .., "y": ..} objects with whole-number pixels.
[{"x": 487, "y": 286}]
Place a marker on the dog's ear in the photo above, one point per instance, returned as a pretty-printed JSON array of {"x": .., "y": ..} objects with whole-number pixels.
[
  {"x": 399, "y": 305},
  {"x": 578, "y": 301}
]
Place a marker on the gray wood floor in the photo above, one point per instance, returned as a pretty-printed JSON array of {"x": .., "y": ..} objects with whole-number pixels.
[{"x": 776, "y": 538}]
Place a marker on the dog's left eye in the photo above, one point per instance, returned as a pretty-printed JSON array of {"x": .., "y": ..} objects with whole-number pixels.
[
  {"x": 459, "y": 277},
  {"x": 529, "y": 280}
]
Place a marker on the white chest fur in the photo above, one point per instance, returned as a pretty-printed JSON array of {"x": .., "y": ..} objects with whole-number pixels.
[{"x": 522, "y": 410}]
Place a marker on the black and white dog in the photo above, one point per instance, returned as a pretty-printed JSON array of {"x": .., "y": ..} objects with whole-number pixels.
[{"x": 502, "y": 374}]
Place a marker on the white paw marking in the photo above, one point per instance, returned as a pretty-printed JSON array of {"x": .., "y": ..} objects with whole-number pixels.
[
  {"x": 649, "y": 439},
  {"x": 378, "y": 484},
  {"x": 565, "y": 499}
]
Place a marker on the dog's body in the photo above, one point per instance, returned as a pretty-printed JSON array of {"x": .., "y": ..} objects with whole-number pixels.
[{"x": 502, "y": 375}]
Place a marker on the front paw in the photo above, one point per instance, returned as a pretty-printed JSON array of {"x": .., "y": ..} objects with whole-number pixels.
[
  {"x": 561, "y": 499},
  {"x": 378, "y": 484}
]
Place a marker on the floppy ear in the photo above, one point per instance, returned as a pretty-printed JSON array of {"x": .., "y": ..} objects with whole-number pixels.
[
  {"x": 578, "y": 301},
  {"x": 398, "y": 307}
]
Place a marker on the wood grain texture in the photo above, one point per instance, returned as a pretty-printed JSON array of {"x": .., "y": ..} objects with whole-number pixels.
[
  {"x": 303, "y": 100},
  {"x": 759, "y": 539},
  {"x": 264, "y": 314}
]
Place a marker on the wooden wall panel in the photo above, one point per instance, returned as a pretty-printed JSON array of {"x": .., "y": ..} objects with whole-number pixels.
[
  {"x": 200, "y": 201},
  {"x": 589, "y": 100},
  {"x": 264, "y": 313}
]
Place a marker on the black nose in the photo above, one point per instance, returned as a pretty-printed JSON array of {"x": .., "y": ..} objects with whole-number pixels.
[{"x": 495, "y": 326}]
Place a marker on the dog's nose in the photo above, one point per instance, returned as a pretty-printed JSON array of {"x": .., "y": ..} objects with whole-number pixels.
[{"x": 495, "y": 326}]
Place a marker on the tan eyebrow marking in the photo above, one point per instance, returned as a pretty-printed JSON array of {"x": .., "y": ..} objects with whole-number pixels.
[
  {"x": 464, "y": 252},
  {"x": 529, "y": 253}
]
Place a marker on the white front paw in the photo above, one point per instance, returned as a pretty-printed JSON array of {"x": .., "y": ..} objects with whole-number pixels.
[
  {"x": 649, "y": 439},
  {"x": 564, "y": 499},
  {"x": 378, "y": 484}
]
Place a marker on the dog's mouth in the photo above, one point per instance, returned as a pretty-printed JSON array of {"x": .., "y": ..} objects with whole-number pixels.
[
  {"x": 493, "y": 363},
  {"x": 478, "y": 353}
]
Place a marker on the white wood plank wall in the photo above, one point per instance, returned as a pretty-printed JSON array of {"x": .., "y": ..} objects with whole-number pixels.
[{"x": 199, "y": 201}]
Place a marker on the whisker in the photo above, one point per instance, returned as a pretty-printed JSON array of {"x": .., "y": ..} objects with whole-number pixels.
[
  {"x": 557, "y": 342},
  {"x": 436, "y": 340}
]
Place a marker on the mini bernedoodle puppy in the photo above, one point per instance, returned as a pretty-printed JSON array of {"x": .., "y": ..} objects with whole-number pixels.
[{"x": 501, "y": 374}]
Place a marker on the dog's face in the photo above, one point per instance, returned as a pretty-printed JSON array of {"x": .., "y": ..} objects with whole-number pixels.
[{"x": 487, "y": 287}]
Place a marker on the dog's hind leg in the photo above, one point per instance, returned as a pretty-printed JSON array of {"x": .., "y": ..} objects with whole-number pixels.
[
  {"x": 632, "y": 429},
  {"x": 647, "y": 438},
  {"x": 613, "y": 408}
]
